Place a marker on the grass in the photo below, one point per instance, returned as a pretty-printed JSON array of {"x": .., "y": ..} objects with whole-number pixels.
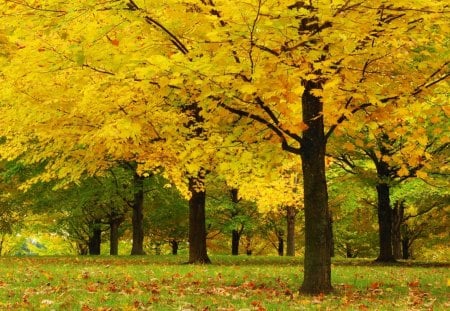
[{"x": 231, "y": 283}]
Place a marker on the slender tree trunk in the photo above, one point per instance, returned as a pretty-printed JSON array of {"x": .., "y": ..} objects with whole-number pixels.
[
  {"x": 406, "y": 254},
  {"x": 95, "y": 240},
  {"x": 248, "y": 246},
  {"x": 317, "y": 262},
  {"x": 235, "y": 234},
  {"x": 114, "y": 225},
  {"x": 235, "y": 238},
  {"x": 197, "y": 225},
  {"x": 397, "y": 220},
  {"x": 290, "y": 230},
  {"x": 385, "y": 224},
  {"x": 174, "y": 245},
  {"x": 138, "y": 216},
  {"x": 280, "y": 247}
]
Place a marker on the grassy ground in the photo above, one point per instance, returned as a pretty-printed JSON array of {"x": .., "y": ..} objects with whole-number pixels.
[{"x": 231, "y": 283}]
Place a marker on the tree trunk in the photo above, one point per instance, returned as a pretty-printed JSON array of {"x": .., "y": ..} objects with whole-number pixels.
[
  {"x": 114, "y": 225},
  {"x": 385, "y": 224},
  {"x": 138, "y": 216},
  {"x": 83, "y": 249},
  {"x": 317, "y": 261},
  {"x": 235, "y": 234},
  {"x": 174, "y": 245},
  {"x": 95, "y": 239},
  {"x": 290, "y": 230},
  {"x": 330, "y": 232},
  {"x": 248, "y": 246},
  {"x": 197, "y": 225},
  {"x": 397, "y": 220},
  {"x": 280, "y": 247},
  {"x": 406, "y": 254},
  {"x": 235, "y": 238}
]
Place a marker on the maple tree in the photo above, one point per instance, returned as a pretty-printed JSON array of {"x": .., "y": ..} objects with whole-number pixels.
[
  {"x": 282, "y": 72},
  {"x": 298, "y": 69}
]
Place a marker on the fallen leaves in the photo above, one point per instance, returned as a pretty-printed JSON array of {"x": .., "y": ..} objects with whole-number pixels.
[{"x": 106, "y": 284}]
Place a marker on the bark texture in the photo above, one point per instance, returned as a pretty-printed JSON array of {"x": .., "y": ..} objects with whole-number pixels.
[
  {"x": 235, "y": 239},
  {"x": 385, "y": 224},
  {"x": 197, "y": 226},
  {"x": 174, "y": 245},
  {"x": 95, "y": 239},
  {"x": 114, "y": 224},
  {"x": 137, "y": 219},
  {"x": 317, "y": 262},
  {"x": 290, "y": 230}
]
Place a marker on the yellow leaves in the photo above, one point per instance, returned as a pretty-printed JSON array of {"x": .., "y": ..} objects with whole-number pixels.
[
  {"x": 248, "y": 89},
  {"x": 348, "y": 146},
  {"x": 421, "y": 174},
  {"x": 446, "y": 110},
  {"x": 403, "y": 171}
]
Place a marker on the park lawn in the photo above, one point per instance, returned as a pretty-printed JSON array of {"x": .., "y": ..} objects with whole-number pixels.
[{"x": 231, "y": 283}]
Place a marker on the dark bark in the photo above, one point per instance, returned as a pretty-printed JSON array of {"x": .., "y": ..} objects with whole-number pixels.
[
  {"x": 95, "y": 239},
  {"x": 137, "y": 219},
  {"x": 174, "y": 245},
  {"x": 197, "y": 225},
  {"x": 280, "y": 247},
  {"x": 331, "y": 236},
  {"x": 114, "y": 224},
  {"x": 235, "y": 234},
  {"x": 317, "y": 262},
  {"x": 235, "y": 238},
  {"x": 290, "y": 230},
  {"x": 385, "y": 224},
  {"x": 406, "y": 253},
  {"x": 397, "y": 220}
]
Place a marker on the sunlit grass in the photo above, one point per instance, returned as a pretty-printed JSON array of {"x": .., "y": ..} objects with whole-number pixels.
[{"x": 231, "y": 283}]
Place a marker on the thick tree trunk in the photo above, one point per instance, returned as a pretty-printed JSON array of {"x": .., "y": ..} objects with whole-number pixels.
[
  {"x": 197, "y": 225},
  {"x": 174, "y": 245},
  {"x": 235, "y": 238},
  {"x": 317, "y": 262},
  {"x": 95, "y": 239},
  {"x": 397, "y": 220},
  {"x": 137, "y": 219},
  {"x": 331, "y": 236},
  {"x": 290, "y": 230},
  {"x": 385, "y": 224}
]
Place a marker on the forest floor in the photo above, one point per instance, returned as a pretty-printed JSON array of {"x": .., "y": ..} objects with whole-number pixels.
[{"x": 230, "y": 283}]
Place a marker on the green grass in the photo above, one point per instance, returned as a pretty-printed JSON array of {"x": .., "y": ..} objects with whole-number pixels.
[{"x": 231, "y": 283}]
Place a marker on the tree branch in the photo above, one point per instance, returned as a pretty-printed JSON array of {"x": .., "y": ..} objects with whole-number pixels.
[{"x": 263, "y": 121}]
